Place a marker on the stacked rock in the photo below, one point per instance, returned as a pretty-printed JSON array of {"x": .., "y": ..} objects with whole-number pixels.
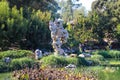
[{"x": 59, "y": 36}]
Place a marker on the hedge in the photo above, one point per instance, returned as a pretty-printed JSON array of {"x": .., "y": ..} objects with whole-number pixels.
[
  {"x": 17, "y": 63},
  {"x": 15, "y": 53},
  {"x": 108, "y": 54},
  {"x": 61, "y": 61}
]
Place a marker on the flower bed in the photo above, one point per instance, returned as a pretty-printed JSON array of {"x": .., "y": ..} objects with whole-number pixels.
[{"x": 48, "y": 73}]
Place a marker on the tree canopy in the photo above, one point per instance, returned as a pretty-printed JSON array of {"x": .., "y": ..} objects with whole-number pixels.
[{"x": 25, "y": 23}]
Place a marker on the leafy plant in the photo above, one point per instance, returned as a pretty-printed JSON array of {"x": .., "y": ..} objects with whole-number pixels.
[
  {"x": 108, "y": 54},
  {"x": 114, "y": 54},
  {"x": 15, "y": 53},
  {"x": 18, "y": 63},
  {"x": 104, "y": 53},
  {"x": 61, "y": 61},
  {"x": 96, "y": 59}
]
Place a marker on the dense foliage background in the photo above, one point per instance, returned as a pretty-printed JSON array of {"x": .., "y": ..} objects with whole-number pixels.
[
  {"x": 23, "y": 27},
  {"x": 24, "y": 24}
]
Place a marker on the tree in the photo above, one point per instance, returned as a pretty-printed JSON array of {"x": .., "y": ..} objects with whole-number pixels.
[
  {"x": 12, "y": 25},
  {"x": 43, "y": 5},
  {"x": 108, "y": 13},
  {"x": 68, "y": 8},
  {"x": 38, "y": 34},
  {"x": 23, "y": 29}
]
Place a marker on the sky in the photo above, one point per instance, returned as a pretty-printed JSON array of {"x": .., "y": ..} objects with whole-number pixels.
[{"x": 85, "y": 3}]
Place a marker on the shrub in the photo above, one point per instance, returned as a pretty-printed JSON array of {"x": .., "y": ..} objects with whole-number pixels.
[
  {"x": 114, "y": 54},
  {"x": 15, "y": 53},
  {"x": 104, "y": 53},
  {"x": 61, "y": 61},
  {"x": 78, "y": 61},
  {"x": 108, "y": 54},
  {"x": 54, "y": 61},
  {"x": 18, "y": 63},
  {"x": 3, "y": 66},
  {"x": 96, "y": 59},
  {"x": 21, "y": 62}
]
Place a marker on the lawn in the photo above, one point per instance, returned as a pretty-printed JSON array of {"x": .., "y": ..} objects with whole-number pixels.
[
  {"x": 101, "y": 72},
  {"x": 115, "y": 62},
  {"x": 6, "y": 76},
  {"x": 107, "y": 75}
]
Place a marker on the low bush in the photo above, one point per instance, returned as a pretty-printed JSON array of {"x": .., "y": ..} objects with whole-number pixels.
[
  {"x": 114, "y": 54},
  {"x": 108, "y": 54},
  {"x": 52, "y": 60},
  {"x": 96, "y": 59},
  {"x": 15, "y": 53},
  {"x": 18, "y": 63},
  {"x": 21, "y": 62},
  {"x": 104, "y": 53},
  {"x": 109, "y": 74},
  {"x": 3, "y": 66},
  {"x": 61, "y": 61}
]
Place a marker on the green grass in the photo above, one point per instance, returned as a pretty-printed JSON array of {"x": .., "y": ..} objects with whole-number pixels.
[
  {"x": 100, "y": 72},
  {"x": 61, "y": 61},
  {"x": 18, "y": 63},
  {"x": 5, "y": 76},
  {"x": 115, "y": 62},
  {"x": 106, "y": 75},
  {"x": 15, "y": 53},
  {"x": 108, "y": 53}
]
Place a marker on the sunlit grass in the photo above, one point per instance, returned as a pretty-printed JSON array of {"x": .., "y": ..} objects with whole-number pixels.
[
  {"x": 6, "y": 76},
  {"x": 107, "y": 75},
  {"x": 115, "y": 62}
]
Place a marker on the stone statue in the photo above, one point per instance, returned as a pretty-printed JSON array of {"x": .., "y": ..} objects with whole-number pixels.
[
  {"x": 38, "y": 54},
  {"x": 59, "y": 36}
]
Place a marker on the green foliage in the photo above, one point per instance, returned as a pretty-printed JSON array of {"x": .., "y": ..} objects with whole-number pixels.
[
  {"x": 118, "y": 28},
  {"x": 108, "y": 16},
  {"x": 107, "y": 75},
  {"x": 6, "y": 75},
  {"x": 12, "y": 25},
  {"x": 60, "y": 61},
  {"x": 4, "y": 10},
  {"x": 77, "y": 61},
  {"x": 108, "y": 54},
  {"x": 118, "y": 32},
  {"x": 71, "y": 40},
  {"x": 99, "y": 57},
  {"x": 20, "y": 63},
  {"x": 38, "y": 34},
  {"x": 19, "y": 59},
  {"x": 101, "y": 23},
  {"x": 103, "y": 53},
  {"x": 15, "y": 53},
  {"x": 3, "y": 66},
  {"x": 17, "y": 63},
  {"x": 68, "y": 13},
  {"x": 96, "y": 59},
  {"x": 114, "y": 54},
  {"x": 24, "y": 27},
  {"x": 54, "y": 61}
]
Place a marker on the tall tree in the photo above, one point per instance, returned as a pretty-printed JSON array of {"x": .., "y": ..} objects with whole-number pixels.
[
  {"x": 68, "y": 8},
  {"x": 21, "y": 29},
  {"x": 42, "y": 5},
  {"x": 108, "y": 13},
  {"x": 12, "y": 25}
]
